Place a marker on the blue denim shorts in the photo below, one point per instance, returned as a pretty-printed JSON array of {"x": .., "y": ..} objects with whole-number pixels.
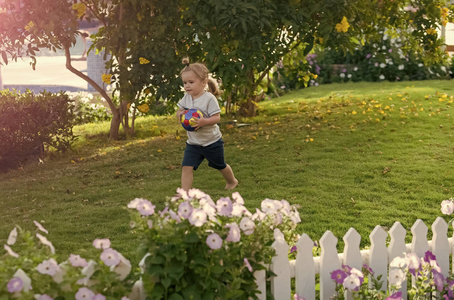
[{"x": 214, "y": 153}]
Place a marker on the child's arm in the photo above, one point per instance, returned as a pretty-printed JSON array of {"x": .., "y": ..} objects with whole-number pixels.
[
  {"x": 214, "y": 119},
  {"x": 179, "y": 113}
]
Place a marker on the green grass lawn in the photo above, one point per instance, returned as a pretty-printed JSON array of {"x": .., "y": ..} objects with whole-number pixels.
[{"x": 350, "y": 155}]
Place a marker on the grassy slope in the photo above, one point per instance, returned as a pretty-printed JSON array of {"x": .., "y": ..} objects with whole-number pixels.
[{"x": 351, "y": 155}]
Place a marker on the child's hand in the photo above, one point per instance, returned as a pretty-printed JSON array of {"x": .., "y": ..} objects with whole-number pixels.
[{"x": 200, "y": 123}]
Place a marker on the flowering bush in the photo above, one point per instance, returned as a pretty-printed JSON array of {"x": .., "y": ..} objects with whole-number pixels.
[
  {"x": 376, "y": 61},
  {"x": 29, "y": 270},
  {"x": 88, "y": 108},
  {"x": 201, "y": 249},
  {"x": 428, "y": 280}
]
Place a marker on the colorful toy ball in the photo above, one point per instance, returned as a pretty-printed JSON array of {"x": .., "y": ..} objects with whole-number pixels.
[{"x": 188, "y": 118}]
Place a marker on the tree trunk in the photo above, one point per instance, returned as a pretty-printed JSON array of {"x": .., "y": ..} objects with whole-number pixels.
[{"x": 116, "y": 117}]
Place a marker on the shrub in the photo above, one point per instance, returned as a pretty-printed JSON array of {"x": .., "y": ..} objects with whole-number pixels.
[
  {"x": 88, "y": 108},
  {"x": 31, "y": 123},
  {"x": 375, "y": 61},
  {"x": 199, "y": 249}
]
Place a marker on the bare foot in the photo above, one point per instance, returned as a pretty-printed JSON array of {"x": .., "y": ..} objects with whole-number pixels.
[{"x": 231, "y": 186}]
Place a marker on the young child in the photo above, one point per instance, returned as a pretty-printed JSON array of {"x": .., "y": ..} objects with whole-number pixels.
[{"x": 205, "y": 141}]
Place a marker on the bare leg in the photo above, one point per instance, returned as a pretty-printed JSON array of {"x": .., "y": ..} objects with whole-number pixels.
[
  {"x": 232, "y": 182},
  {"x": 187, "y": 177}
]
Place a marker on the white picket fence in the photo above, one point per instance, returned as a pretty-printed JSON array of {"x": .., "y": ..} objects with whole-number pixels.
[{"x": 305, "y": 267}]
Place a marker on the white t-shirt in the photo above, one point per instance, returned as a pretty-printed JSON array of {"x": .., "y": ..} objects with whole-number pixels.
[{"x": 208, "y": 105}]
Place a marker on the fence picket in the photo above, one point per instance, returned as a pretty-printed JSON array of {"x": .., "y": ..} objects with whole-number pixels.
[
  {"x": 440, "y": 244},
  {"x": 280, "y": 285},
  {"x": 419, "y": 243},
  {"x": 378, "y": 257},
  {"x": 397, "y": 247},
  {"x": 352, "y": 253},
  {"x": 305, "y": 268},
  {"x": 329, "y": 262}
]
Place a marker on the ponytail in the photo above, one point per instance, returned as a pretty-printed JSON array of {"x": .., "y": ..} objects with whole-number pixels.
[{"x": 213, "y": 87}]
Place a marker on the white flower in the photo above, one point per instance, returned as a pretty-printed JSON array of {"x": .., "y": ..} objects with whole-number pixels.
[
  {"x": 214, "y": 241},
  {"x": 238, "y": 210},
  {"x": 295, "y": 216},
  {"x": 396, "y": 277},
  {"x": 447, "y": 207},
  {"x": 209, "y": 209},
  {"x": 420, "y": 65},
  {"x": 87, "y": 271},
  {"x": 247, "y": 225},
  {"x": 10, "y": 251},
  {"x": 268, "y": 206},
  {"x": 349, "y": 76},
  {"x": 196, "y": 194},
  {"x": 198, "y": 217},
  {"x": 237, "y": 198},
  {"x": 382, "y": 77},
  {"x": 357, "y": 272},
  {"x": 135, "y": 202},
  {"x": 355, "y": 69},
  {"x": 342, "y": 75},
  {"x": 398, "y": 262},
  {"x": 101, "y": 243},
  {"x": 40, "y": 227},
  {"x": 382, "y": 65},
  {"x": 286, "y": 208},
  {"x": 84, "y": 294},
  {"x": 77, "y": 261},
  {"x": 351, "y": 282},
  {"x": 123, "y": 268},
  {"x": 46, "y": 242},
  {"x": 259, "y": 215},
  {"x": 110, "y": 257},
  {"x": 401, "y": 67},
  {"x": 12, "y": 237},
  {"x": 234, "y": 234}
]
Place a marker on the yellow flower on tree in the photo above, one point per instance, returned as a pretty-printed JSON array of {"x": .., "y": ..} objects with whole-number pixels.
[
  {"x": 431, "y": 31},
  {"x": 343, "y": 25},
  {"x": 143, "y": 108},
  {"x": 106, "y": 78},
  {"x": 29, "y": 26},
  {"x": 143, "y": 61},
  {"x": 80, "y": 9}
]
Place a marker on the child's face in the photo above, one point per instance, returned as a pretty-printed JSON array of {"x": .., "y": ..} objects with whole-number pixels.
[{"x": 193, "y": 85}]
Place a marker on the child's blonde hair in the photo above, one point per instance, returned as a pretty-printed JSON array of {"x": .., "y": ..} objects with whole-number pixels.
[{"x": 202, "y": 72}]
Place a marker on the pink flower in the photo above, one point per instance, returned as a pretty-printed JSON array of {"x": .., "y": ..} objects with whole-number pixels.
[
  {"x": 145, "y": 208},
  {"x": 395, "y": 296},
  {"x": 298, "y": 297},
  {"x": 49, "y": 267},
  {"x": 185, "y": 209},
  {"x": 77, "y": 261},
  {"x": 224, "y": 206},
  {"x": 234, "y": 234},
  {"x": 338, "y": 276},
  {"x": 99, "y": 297},
  {"x": 84, "y": 294},
  {"x": 41, "y": 227},
  {"x": 15, "y": 285},
  {"x": 247, "y": 264},
  {"x": 110, "y": 257},
  {"x": 45, "y": 297},
  {"x": 101, "y": 243},
  {"x": 174, "y": 216},
  {"x": 198, "y": 217},
  {"x": 214, "y": 241}
]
